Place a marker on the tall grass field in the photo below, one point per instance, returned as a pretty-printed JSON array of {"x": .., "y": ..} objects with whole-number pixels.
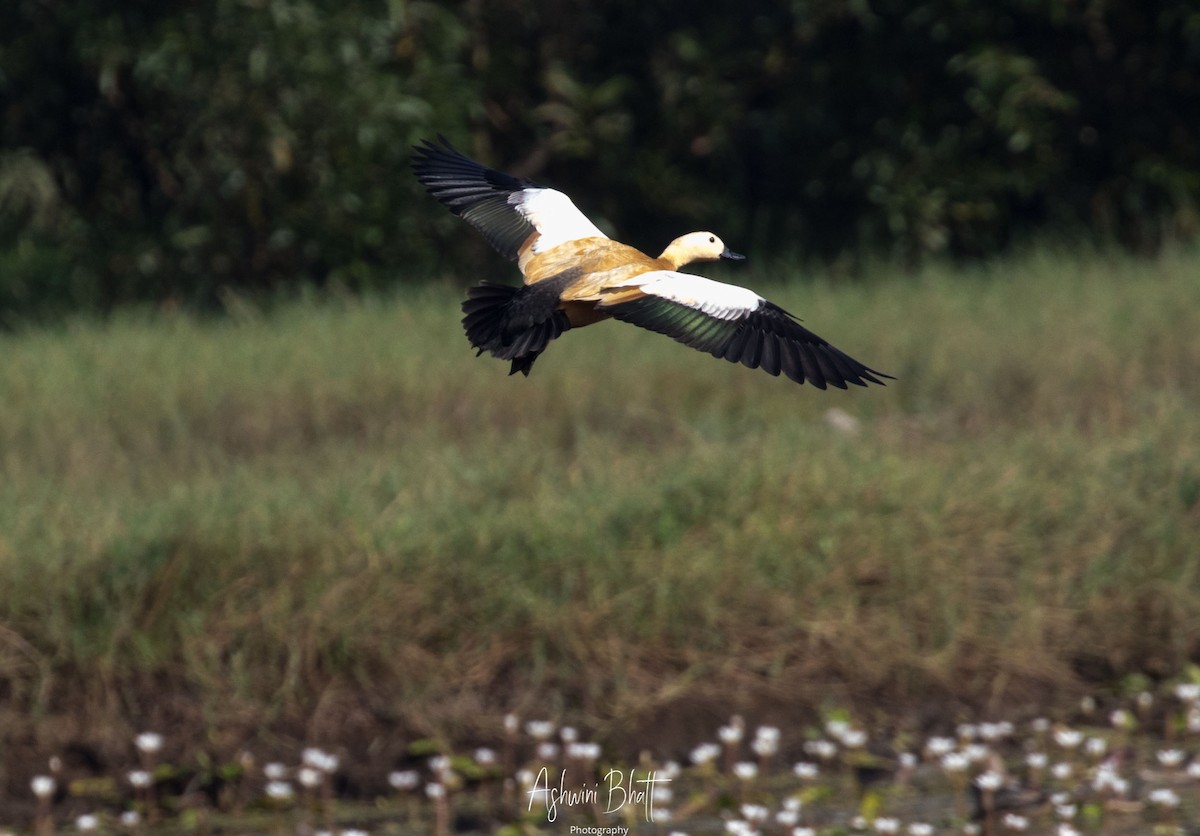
[{"x": 330, "y": 523}]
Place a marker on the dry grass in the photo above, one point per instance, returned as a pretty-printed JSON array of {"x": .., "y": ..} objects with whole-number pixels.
[{"x": 331, "y": 523}]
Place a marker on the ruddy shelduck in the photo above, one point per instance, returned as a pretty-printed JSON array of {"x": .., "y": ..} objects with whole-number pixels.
[{"x": 576, "y": 275}]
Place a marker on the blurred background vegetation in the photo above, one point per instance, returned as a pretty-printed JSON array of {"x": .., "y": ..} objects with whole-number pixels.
[
  {"x": 323, "y": 521},
  {"x": 168, "y": 151}
]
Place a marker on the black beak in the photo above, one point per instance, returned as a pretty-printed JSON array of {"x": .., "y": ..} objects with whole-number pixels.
[{"x": 730, "y": 255}]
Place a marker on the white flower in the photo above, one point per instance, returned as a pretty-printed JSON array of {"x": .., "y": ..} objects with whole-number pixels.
[
  {"x": 547, "y": 751},
  {"x": 1144, "y": 700},
  {"x": 485, "y": 756},
  {"x": 1066, "y": 830},
  {"x": 275, "y": 771},
  {"x": 1036, "y": 760},
  {"x": 1193, "y": 769},
  {"x": 954, "y": 762},
  {"x": 704, "y": 753},
  {"x": 976, "y": 752},
  {"x": 730, "y": 735},
  {"x": 309, "y": 777},
  {"x": 766, "y": 741},
  {"x": 886, "y": 825},
  {"x": 140, "y": 779},
  {"x": 539, "y": 729},
  {"x": 938, "y": 747},
  {"x": 803, "y": 831},
  {"x": 806, "y": 771},
  {"x": 1040, "y": 725},
  {"x": 854, "y": 738},
  {"x": 754, "y": 812},
  {"x": 745, "y": 770},
  {"x": 43, "y": 786},
  {"x": 836, "y": 728},
  {"x": 131, "y": 818},
  {"x": 1067, "y": 738},
  {"x": 764, "y": 748},
  {"x": 404, "y": 780},
  {"x": 320, "y": 760},
  {"x": 1107, "y": 779},
  {"x": 1187, "y": 691},
  {"x": 1012, "y": 821},
  {"x": 989, "y": 781},
  {"x": 435, "y": 790},
  {"x": 995, "y": 731},
  {"x": 967, "y": 731},
  {"x": 670, "y": 769},
  {"x": 439, "y": 764},
  {"x": 568, "y": 734},
  {"x": 1095, "y": 746},
  {"x": 787, "y": 818},
  {"x": 1170, "y": 758},
  {"x": 87, "y": 822},
  {"x": 1066, "y": 811},
  {"x": 1120, "y": 719},
  {"x": 1164, "y": 797},
  {"x": 511, "y": 723},
  {"x": 1062, "y": 771},
  {"x": 770, "y": 733},
  {"x": 280, "y": 791},
  {"x": 149, "y": 743},
  {"x": 920, "y": 828},
  {"x": 662, "y": 795},
  {"x": 583, "y": 751},
  {"x": 823, "y": 749}
]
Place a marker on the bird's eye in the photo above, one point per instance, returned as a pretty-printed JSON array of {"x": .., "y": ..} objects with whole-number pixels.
[{"x": 712, "y": 239}]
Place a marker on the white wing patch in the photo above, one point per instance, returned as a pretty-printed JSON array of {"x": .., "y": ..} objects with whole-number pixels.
[
  {"x": 554, "y": 216},
  {"x": 718, "y": 300}
]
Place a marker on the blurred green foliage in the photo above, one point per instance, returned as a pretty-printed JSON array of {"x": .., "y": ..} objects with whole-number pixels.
[{"x": 168, "y": 150}]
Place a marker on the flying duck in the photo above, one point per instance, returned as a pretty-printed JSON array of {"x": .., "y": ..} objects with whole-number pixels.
[{"x": 576, "y": 275}]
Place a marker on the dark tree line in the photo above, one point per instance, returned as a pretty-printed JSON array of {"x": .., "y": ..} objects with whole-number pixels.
[{"x": 166, "y": 150}]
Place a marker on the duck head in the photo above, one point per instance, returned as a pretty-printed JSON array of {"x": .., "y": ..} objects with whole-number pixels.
[{"x": 697, "y": 246}]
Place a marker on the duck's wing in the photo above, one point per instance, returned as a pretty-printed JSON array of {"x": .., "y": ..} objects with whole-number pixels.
[
  {"x": 510, "y": 212},
  {"x": 735, "y": 324}
]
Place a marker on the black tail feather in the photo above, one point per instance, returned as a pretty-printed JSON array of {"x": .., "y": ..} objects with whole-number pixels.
[
  {"x": 512, "y": 323},
  {"x": 523, "y": 364}
]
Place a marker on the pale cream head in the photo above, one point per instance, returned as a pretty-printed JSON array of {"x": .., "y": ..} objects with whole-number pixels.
[{"x": 697, "y": 246}]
